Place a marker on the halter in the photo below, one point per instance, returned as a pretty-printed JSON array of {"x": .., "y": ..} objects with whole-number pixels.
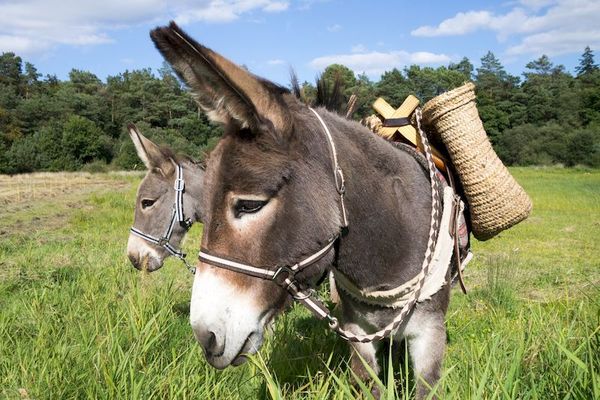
[
  {"x": 176, "y": 215},
  {"x": 285, "y": 276}
]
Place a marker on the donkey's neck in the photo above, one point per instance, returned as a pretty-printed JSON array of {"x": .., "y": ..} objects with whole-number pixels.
[
  {"x": 388, "y": 203},
  {"x": 194, "y": 183}
]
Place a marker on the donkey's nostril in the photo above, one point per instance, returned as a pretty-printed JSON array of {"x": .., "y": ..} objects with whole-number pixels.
[
  {"x": 213, "y": 347},
  {"x": 135, "y": 261},
  {"x": 212, "y": 340}
]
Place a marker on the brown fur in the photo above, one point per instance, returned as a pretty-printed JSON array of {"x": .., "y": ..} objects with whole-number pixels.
[{"x": 275, "y": 147}]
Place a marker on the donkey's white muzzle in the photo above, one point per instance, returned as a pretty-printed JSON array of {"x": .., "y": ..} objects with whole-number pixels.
[
  {"x": 142, "y": 255},
  {"x": 227, "y": 321}
]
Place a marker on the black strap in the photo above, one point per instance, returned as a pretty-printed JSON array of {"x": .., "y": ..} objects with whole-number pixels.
[{"x": 396, "y": 122}]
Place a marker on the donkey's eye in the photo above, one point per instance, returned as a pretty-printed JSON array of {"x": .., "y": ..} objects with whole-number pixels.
[
  {"x": 147, "y": 203},
  {"x": 248, "y": 206}
]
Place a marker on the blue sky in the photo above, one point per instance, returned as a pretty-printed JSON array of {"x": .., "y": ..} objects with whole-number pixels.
[{"x": 270, "y": 36}]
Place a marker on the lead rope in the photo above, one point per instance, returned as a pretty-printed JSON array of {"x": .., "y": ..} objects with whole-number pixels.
[{"x": 433, "y": 231}]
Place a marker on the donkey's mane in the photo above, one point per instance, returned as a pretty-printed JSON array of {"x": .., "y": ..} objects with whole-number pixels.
[{"x": 331, "y": 98}]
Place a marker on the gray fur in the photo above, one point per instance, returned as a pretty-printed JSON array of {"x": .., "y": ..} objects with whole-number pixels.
[
  {"x": 387, "y": 197},
  {"x": 158, "y": 185}
]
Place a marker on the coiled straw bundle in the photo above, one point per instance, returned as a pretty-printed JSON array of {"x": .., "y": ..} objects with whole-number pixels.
[{"x": 496, "y": 200}]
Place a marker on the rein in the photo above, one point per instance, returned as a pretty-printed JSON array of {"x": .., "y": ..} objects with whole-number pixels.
[
  {"x": 176, "y": 215},
  {"x": 285, "y": 276}
]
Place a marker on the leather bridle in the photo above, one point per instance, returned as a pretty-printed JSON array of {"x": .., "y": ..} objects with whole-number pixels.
[
  {"x": 176, "y": 216},
  {"x": 285, "y": 276}
]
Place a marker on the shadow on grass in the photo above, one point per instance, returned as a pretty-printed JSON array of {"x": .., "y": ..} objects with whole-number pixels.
[{"x": 182, "y": 309}]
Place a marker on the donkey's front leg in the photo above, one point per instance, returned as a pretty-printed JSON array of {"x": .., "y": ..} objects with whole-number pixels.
[
  {"x": 426, "y": 345},
  {"x": 363, "y": 354}
]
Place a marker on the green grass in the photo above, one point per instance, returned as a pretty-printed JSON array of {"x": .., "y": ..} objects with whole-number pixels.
[{"x": 76, "y": 321}]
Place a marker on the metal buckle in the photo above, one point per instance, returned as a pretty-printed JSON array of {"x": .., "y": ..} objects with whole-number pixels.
[
  {"x": 303, "y": 296},
  {"x": 333, "y": 322},
  {"x": 179, "y": 184},
  {"x": 163, "y": 241},
  {"x": 288, "y": 273},
  {"x": 187, "y": 224},
  {"x": 340, "y": 183}
]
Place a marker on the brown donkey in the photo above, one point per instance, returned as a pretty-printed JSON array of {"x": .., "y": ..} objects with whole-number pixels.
[{"x": 270, "y": 199}]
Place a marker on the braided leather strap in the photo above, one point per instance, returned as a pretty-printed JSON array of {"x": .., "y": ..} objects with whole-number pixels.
[{"x": 433, "y": 233}]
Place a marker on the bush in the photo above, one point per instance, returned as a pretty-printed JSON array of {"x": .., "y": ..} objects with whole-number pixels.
[
  {"x": 95, "y": 167},
  {"x": 549, "y": 144},
  {"x": 22, "y": 156},
  {"x": 127, "y": 158},
  {"x": 83, "y": 142},
  {"x": 584, "y": 148},
  {"x": 51, "y": 155}
]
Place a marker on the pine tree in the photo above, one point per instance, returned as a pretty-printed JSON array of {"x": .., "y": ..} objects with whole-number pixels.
[
  {"x": 586, "y": 62},
  {"x": 490, "y": 65},
  {"x": 541, "y": 66},
  {"x": 464, "y": 67}
]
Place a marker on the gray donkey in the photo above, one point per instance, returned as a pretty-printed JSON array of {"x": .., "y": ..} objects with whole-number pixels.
[
  {"x": 270, "y": 201},
  {"x": 166, "y": 206}
]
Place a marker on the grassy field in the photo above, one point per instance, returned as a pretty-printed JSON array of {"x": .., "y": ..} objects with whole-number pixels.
[{"x": 77, "y": 321}]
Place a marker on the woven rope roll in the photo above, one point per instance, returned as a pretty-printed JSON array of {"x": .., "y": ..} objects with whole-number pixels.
[{"x": 496, "y": 200}]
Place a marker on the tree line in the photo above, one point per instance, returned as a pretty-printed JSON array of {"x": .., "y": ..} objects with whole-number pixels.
[{"x": 546, "y": 116}]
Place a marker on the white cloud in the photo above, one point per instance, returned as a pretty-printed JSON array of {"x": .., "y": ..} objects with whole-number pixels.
[
  {"x": 359, "y": 48},
  {"x": 276, "y": 6},
  {"x": 552, "y": 27},
  {"x": 556, "y": 42},
  {"x": 21, "y": 45},
  {"x": 460, "y": 24},
  {"x": 304, "y": 5},
  {"x": 374, "y": 63},
  {"x": 224, "y": 10},
  {"x": 536, "y": 4},
  {"x": 276, "y": 61},
  {"x": 334, "y": 28},
  {"x": 33, "y": 26}
]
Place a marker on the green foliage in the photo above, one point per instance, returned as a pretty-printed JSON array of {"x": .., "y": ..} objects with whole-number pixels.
[
  {"x": 39, "y": 129},
  {"x": 83, "y": 142},
  {"x": 586, "y": 63},
  {"x": 464, "y": 67},
  {"x": 393, "y": 87},
  {"x": 11, "y": 67},
  {"x": 55, "y": 125},
  {"x": 345, "y": 74}
]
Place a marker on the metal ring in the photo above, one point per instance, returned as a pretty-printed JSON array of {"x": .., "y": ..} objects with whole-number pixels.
[
  {"x": 333, "y": 322},
  {"x": 303, "y": 296},
  {"x": 340, "y": 183}
]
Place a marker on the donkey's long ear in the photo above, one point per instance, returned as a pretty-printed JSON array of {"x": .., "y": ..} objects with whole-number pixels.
[
  {"x": 223, "y": 89},
  {"x": 149, "y": 152}
]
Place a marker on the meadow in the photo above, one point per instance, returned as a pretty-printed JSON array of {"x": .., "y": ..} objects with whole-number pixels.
[{"x": 77, "y": 321}]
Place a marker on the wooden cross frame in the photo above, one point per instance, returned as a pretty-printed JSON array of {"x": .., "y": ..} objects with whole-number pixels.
[{"x": 408, "y": 132}]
